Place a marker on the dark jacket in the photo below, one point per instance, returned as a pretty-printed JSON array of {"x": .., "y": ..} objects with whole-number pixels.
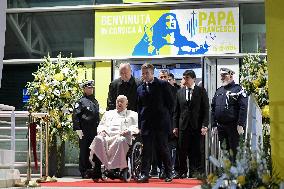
[
  {"x": 86, "y": 116},
  {"x": 155, "y": 107},
  {"x": 193, "y": 113},
  {"x": 229, "y": 105},
  {"x": 119, "y": 87}
]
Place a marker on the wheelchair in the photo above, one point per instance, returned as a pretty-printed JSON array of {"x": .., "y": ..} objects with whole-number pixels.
[{"x": 134, "y": 159}]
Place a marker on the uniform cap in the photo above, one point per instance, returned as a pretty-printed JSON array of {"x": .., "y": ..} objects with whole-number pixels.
[
  {"x": 89, "y": 83},
  {"x": 227, "y": 71}
]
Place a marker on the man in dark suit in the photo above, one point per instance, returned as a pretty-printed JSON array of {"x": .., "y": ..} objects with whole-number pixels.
[
  {"x": 125, "y": 85},
  {"x": 191, "y": 121},
  {"x": 155, "y": 104}
]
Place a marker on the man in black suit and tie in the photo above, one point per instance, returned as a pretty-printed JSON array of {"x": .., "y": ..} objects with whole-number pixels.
[
  {"x": 190, "y": 122},
  {"x": 155, "y": 106}
]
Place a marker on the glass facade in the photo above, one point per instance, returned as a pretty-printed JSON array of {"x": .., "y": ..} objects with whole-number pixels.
[{"x": 34, "y": 35}]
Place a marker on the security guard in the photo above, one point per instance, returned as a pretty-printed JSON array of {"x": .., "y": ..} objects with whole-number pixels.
[
  {"x": 85, "y": 122},
  {"x": 229, "y": 112}
]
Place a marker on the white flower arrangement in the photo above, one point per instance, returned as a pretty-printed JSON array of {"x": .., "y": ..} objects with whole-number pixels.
[
  {"x": 55, "y": 90},
  {"x": 249, "y": 171}
]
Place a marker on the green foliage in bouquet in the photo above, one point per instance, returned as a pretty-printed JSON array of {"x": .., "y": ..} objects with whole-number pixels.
[
  {"x": 55, "y": 90},
  {"x": 249, "y": 171}
]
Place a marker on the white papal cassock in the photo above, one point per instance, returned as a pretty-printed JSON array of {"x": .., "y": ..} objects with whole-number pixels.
[{"x": 112, "y": 149}]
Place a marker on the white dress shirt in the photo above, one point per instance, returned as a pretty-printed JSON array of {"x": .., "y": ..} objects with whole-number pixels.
[{"x": 191, "y": 91}]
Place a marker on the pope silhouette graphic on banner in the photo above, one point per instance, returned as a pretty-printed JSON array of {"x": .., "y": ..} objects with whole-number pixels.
[{"x": 164, "y": 35}]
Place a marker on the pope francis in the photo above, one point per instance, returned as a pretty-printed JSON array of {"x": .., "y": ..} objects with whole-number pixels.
[{"x": 115, "y": 132}]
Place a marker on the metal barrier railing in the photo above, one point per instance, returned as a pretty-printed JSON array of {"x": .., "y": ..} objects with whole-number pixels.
[{"x": 10, "y": 110}]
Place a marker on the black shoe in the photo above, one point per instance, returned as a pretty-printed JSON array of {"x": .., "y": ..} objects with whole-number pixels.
[
  {"x": 183, "y": 175},
  {"x": 94, "y": 174},
  {"x": 143, "y": 179},
  {"x": 112, "y": 174},
  {"x": 175, "y": 175},
  {"x": 97, "y": 177},
  {"x": 168, "y": 179},
  {"x": 162, "y": 174},
  {"x": 85, "y": 175},
  {"x": 190, "y": 176},
  {"x": 153, "y": 173}
]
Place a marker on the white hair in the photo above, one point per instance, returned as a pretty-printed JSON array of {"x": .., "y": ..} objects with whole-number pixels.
[
  {"x": 123, "y": 65},
  {"x": 122, "y": 97}
]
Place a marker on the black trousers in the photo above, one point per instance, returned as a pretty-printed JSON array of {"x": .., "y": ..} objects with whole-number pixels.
[
  {"x": 229, "y": 139},
  {"x": 189, "y": 147},
  {"x": 84, "y": 162},
  {"x": 160, "y": 141}
]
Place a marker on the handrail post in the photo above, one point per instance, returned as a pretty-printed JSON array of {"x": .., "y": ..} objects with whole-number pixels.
[{"x": 13, "y": 138}]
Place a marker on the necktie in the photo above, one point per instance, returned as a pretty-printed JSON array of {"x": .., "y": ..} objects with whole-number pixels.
[
  {"x": 147, "y": 87},
  {"x": 188, "y": 93}
]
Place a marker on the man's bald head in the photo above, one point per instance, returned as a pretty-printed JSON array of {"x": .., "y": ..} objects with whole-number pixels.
[{"x": 125, "y": 71}]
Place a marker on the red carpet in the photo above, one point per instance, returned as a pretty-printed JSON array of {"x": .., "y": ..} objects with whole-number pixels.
[{"x": 176, "y": 183}]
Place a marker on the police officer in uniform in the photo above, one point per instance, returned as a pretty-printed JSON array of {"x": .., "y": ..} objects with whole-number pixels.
[
  {"x": 229, "y": 112},
  {"x": 85, "y": 122}
]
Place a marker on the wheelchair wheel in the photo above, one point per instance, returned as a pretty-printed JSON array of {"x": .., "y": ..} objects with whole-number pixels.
[{"x": 136, "y": 160}]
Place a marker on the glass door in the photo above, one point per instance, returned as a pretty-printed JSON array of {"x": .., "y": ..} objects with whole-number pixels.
[{"x": 209, "y": 68}]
